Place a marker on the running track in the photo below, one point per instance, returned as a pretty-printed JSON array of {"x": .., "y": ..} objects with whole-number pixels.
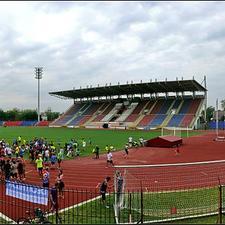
[{"x": 86, "y": 173}]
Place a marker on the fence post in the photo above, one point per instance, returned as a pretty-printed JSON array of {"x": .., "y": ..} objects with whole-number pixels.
[
  {"x": 57, "y": 208},
  {"x": 130, "y": 217},
  {"x": 142, "y": 206},
  {"x": 220, "y": 210}
]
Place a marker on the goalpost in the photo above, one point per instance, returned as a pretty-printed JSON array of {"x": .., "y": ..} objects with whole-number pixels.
[
  {"x": 175, "y": 131},
  {"x": 166, "y": 192}
]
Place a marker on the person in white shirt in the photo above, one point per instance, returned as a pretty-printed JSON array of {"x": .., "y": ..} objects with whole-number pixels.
[
  {"x": 8, "y": 151},
  {"x": 109, "y": 159},
  {"x": 84, "y": 144},
  {"x": 130, "y": 141}
]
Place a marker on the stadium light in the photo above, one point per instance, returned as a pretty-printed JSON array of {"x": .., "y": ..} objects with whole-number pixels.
[{"x": 38, "y": 76}]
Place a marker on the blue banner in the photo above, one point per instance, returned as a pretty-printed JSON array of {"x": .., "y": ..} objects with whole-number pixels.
[{"x": 28, "y": 193}]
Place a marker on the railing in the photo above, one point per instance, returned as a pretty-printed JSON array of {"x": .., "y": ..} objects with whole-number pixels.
[{"x": 136, "y": 206}]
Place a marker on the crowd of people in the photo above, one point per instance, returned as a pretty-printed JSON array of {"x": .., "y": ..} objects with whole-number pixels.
[{"x": 46, "y": 155}]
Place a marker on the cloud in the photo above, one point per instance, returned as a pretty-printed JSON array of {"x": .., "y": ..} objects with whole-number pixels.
[{"x": 91, "y": 43}]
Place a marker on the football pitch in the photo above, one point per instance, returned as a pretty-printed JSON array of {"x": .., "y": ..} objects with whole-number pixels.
[{"x": 60, "y": 136}]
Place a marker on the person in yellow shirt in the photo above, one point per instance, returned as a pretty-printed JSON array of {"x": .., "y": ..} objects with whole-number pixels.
[
  {"x": 106, "y": 148},
  {"x": 111, "y": 148},
  {"x": 39, "y": 162},
  {"x": 19, "y": 139},
  {"x": 24, "y": 142},
  {"x": 17, "y": 150}
]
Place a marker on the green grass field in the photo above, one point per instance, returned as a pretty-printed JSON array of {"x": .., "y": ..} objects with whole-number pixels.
[
  {"x": 117, "y": 138},
  {"x": 157, "y": 206}
]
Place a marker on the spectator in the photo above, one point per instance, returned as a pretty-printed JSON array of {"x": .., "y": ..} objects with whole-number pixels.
[
  {"x": 14, "y": 169},
  {"x": 60, "y": 157},
  {"x": 21, "y": 170},
  {"x": 97, "y": 152},
  {"x": 7, "y": 170},
  {"x": 109, "y": 159},
  {"x": 54, "y": 198},
  {"x": 53, "y": 159},
  {"x": 130, "y": 141},
  {"x": 126, "y": 149},
  {"x": 103, "y": 190},
  {"x": 84, "y": 144},
  {"x": 61, "y": 185},
  {"x": 46, "y": 177},
  {"x": 22, "y": 151},
  {"x": 78, "y": 153},
  {"x": 39, "y": 163}
]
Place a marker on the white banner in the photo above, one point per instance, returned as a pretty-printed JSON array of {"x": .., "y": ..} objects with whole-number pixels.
[{"x": 28, "y": 193}]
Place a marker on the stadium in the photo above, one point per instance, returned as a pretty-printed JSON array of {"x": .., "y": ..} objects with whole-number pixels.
[{"x": 175, "y": 175}]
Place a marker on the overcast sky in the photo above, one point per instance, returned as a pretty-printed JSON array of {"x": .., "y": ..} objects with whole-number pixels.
[{"x": 91, "y": 43}]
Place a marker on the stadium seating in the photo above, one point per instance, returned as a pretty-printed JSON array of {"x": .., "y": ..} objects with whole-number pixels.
[
  {"x": 43, "y": 123},
  {"x": 194, "y": 106},
  {"x": 105, "y": 109},
  {"x": 68, "y": 115},
  {"x": 98, "y": 118},
  {"x": 132, "y": 118},
  {"x": 175, "y": 120},
  {"x": 12, "y": 123},
  {"x": 135, "y": 114},
  {"x": 146, "y": 120},
  {"x": 157, "y": 120},
  {"x": 165, "y": 107},
  {"x": 186, "y": 121},
  {"x": 28, "y": 123},
  {"x": 85, "y": 114},
  {"x": 84, "y": 119},
  {"x": 176, "y": 104},
  {"x": 127, "y": 112},
  {"x": 92, "y": 109},
  {"x": 157, "y": 106},
  {"x": 113, "y": 112},
  {"x": 140, "y": 107},
  {"x": 145, "y": 114},
  {"x": 185, "y": 107}
]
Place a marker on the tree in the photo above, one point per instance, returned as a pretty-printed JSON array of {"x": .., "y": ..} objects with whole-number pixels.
[
  {"x": 27, "y": 114},
  {"x": 209, "y": 113},
  {"x": 51, "y": 115},
  {"x": 2, "y": 115},
  {"x": 12, "y": 114}
]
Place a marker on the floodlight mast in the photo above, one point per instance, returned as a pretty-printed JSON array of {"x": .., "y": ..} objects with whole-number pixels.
[{"x": 38, "y": 76}]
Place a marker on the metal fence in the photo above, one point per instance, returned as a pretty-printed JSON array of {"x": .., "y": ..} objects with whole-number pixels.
[{"x": 86, "y": 206}]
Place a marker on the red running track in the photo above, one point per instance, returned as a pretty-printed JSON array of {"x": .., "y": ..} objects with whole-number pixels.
[{"x": 86, "y": 173}]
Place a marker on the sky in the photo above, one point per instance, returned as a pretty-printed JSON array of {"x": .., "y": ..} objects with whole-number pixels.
[{"x": 91, "y": 43}]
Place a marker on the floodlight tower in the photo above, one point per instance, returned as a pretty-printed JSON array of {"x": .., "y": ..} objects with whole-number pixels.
[{"x": 38, "y": 76}]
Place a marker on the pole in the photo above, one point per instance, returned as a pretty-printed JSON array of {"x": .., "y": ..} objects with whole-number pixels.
[
  {"x": 220, "y": 210},
  {"x": 142, "y": 206},
  {"x": 38, "y": 100},
  {"x": 217, "y": 118},
  {"x": 205, "y": 114},
  {"x": 38, "y": 76}
]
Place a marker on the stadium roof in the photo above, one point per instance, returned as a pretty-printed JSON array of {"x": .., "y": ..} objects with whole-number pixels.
[{"x": 128, "y": 89}]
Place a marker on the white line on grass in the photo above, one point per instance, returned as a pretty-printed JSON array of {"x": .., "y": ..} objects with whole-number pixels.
[{"x": 77, "y": 205}]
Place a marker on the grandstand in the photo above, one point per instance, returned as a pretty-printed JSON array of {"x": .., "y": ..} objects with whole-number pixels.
[{"x": 141, "y": 105}]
